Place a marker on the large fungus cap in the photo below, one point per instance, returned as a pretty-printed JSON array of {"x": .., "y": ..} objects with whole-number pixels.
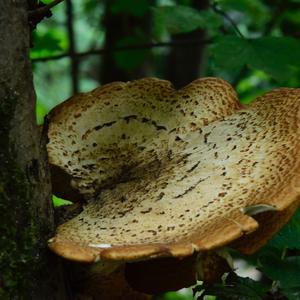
[{"x": 167, "y": 173}]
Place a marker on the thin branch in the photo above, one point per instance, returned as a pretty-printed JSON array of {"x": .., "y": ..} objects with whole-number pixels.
[
  {"x": 124, "y": 48},
  {"x": 44, "y": 9},
  {"x": 219, "y": 11}
]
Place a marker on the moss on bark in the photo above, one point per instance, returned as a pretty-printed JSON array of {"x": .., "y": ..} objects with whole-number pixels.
[
  {"x": 27, "y": 269},
  {"x": 19, "y": 241}
]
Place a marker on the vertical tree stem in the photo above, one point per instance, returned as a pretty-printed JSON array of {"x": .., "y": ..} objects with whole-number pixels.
[{"x": 72, "y": 48}]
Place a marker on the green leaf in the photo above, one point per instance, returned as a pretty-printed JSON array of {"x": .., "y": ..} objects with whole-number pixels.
[
  {"x": 89, "y": 6},
  {"x": 46, "y": 43},
  {"x": 60, "y": 202},
  {"x": 289, "y": 235},
  {"x": 180, "y": 19},
  {"x": 292, "y": 294},
  {"x": 292, "y": 16},
  {"x": 176, "y": 296},
  {"x": 40, "y": 112},
  {"x": 135, "y": 8},
  {"x": 230, "y": 53},
  {"x": 237, "y": 288},
  {"x": 252, "y": 8},
  {"x": 130, "y": 59},
  {"x": 252, "y": 86},
  {"x": 285, "y": 271},
  {"x": 274, "y": 55}
]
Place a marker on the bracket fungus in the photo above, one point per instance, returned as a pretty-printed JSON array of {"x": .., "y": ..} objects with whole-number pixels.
[{"x": 167, "y": 173}]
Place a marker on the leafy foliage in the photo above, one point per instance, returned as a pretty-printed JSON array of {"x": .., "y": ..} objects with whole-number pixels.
[
  {"x": 250, "y": 9},
  {"x": 234, "y": 288},
  {"x": 131, "y": 59},
  {"x": 292, "y": 294},
  {"x": 277, "y": 261},
  {"x": 49, "y": 42},
  {"x": 60, "y": 202},
  {"x": 274, "y": 55},
  {"x": 184, "y": 294},
  {"x": 46, "y": 43},
  {"x": 289, "y": 236},
  {"x": 289, "y": 269},
  {"x": 180, "y": 19},
  {"x": 133, "y": 7}
]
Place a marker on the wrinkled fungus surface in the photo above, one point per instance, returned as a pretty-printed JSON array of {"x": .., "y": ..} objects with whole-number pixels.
[{"x": 166, "y": 172}]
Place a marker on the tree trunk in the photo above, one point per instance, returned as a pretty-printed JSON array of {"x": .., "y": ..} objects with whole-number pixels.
[
  {"x": 117, "y": 27},
  {"x": 184, "y": 62},
  {"x": 28, "y": 270}
]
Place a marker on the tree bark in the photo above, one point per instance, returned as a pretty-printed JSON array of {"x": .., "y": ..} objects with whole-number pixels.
[
  {"x": 28, "y": 270},
  {"x": 184, "y": 62},
  {"x": 119, "y": 26}
]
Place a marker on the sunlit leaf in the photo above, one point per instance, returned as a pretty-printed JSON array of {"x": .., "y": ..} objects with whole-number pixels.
[
  {"x": 252, "y": 86},
  {"x": 179, "y": 295},
  {"x": 47, "y": 43},
  {"x": 60, "y": 202},
  {"x": 40, "y": 112}
]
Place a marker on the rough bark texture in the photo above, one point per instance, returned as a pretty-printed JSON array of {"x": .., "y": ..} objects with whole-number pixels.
[{"x": 28, "y": 270}]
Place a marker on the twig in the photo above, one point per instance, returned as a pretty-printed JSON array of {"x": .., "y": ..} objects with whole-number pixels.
[
  {"x": 124, "y": 48},
  {"x": 44, "y": 9},
  {"x": 219, "y": 11}
]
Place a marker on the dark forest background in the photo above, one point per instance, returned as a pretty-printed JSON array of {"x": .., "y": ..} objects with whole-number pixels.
[{"x": 253, "y": 44}]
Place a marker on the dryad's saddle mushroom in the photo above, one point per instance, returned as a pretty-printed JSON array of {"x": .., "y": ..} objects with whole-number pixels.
[{"x": 166, "y": 173}]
